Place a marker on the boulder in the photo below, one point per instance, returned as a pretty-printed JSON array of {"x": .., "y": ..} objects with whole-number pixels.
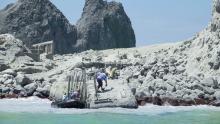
[
  {"x": 18, "y": 89},
  {"x": 31, "y": 69},
  {"x": 217, "y": 95},
  {"x": 15, "y": 52},
  {"x": 9, "y": 81},
  {"x": 141, "y": 95},
  {"x": 45, "y": 91},
  {"x": 123, "y": 56},
  {"x": 215, "y": 103},
  {"x": 3, "y": 67},
  {"x": 5, "y": 89},
  {"x": 180, "y": 69},
  {"x": 172, "y": 60},
  {"x": 30, "y": 88},
  {"x": 2, "y": 80},
  {"x": 38, "y": 95},
  {"x": 22, "y": 80},
  {"x": 104, "y": 25},
  {"x": 22, "y": 94},
  {"x": 7, "y": 76},
  {"x": 9, "y": 72}
]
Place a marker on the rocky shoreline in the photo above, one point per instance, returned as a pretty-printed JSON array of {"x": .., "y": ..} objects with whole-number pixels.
[
  {"x": 176, "y": 102},
  {"x": 160, "y": 74},
  {"x": 18, "y": 85},
  {"x": 154, "y": 74},
  {"x": 178, "y": 74}
]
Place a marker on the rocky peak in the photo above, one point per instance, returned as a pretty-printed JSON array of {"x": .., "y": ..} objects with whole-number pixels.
[
  {"x": 93, "y": 6},
  {"x": 36, "y": 21},
  {"x": 104, "y": 25},
  {"x": 90, "y": 2}
]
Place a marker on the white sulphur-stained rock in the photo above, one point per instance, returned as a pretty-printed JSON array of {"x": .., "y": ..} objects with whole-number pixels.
[
  {"x": 217, "y": 95},
  {"x": 9, "y": 81},
  {"x": 22, "y": 79},
  {"x": 9, "y": 72},
  {"x": 2, "y": 80},
  {"x": 30, "y": 88},
  {"x": 7, "y": 76}
]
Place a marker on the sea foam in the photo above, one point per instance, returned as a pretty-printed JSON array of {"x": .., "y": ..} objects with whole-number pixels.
[{"x": 37, "y": 105}]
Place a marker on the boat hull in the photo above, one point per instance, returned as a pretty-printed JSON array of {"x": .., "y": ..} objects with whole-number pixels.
[{"x": 68, "y": 104}]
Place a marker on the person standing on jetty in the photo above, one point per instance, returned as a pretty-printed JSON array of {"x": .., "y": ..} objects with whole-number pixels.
[{"x": 101, "y": 76}]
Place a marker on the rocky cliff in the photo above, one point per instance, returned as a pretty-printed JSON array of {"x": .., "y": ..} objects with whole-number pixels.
[
  {"x": 35, "y": 21},
  {"x": 104, "y": 25}
]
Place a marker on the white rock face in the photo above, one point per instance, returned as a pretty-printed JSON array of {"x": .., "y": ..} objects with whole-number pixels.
[{"x": 12, "y": 51}]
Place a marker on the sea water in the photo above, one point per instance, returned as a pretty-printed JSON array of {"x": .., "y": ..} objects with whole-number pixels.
[{"x": 38, "y": 111}]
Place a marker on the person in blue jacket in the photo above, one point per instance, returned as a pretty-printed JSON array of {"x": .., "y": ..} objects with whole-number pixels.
[{"x": 101, "y": 76}]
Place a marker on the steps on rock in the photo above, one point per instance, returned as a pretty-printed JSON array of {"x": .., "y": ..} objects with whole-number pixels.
[{"x": 116, "y": 94}]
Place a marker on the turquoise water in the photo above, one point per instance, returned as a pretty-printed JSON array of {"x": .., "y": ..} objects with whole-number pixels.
[
  {"x": 36, "y": 111},
  {"x": 191, "y": 117}
]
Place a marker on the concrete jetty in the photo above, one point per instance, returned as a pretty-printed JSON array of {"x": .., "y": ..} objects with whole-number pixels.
[{"x": 116, "y": 94}]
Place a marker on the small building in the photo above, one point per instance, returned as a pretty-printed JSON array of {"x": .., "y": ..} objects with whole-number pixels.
[{"x": 45, "y": 47}]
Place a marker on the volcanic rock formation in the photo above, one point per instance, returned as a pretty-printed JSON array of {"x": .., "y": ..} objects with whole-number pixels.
[
  {"x": 35, "y": 21},
  {"x": 104, "y": 25}
]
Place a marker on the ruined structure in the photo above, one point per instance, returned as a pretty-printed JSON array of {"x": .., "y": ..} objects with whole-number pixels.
[{"x": 45, "y": 47}]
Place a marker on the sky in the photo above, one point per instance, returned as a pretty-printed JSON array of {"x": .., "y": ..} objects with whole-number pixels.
[{"x": 154, "y": 21}]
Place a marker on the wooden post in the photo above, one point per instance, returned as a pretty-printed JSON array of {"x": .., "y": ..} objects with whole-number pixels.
[
  {"x": 77, "y": 80},
  {"x": 74, "y": 80},
  {"x": 84, "y": 86},
  {"x": 68, "y": 88},
  {"x": 71, "y": 83},
  {"x": 95, "y": 86}
]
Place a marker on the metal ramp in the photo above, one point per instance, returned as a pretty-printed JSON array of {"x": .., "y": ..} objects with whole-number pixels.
[
  {"x": 77, "y": 81},
  {"x": 76, "y": 91}
]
